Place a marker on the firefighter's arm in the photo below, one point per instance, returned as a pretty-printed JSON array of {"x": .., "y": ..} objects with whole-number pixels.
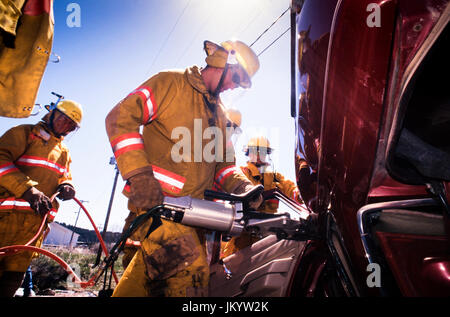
[
  {"x": 12, "y": 145},
  {"x": 141, "y": 107},
  {"x": 65, "y": 188},
  {"x": 231, "y": 179},
  {"x": 228, "y": 177},
  {"x": 66, "y": 178},
  {"x": 122, "y": 126},
  {"x": 288, "y": 188}
]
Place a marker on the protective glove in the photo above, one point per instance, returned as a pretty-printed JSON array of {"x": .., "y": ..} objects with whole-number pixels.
[
  {"x": 243, "y": 188},
  {"x": 145, "y": 191},
  {"x": 40, "y": 203},
  {"x": 66, "y": 192}
]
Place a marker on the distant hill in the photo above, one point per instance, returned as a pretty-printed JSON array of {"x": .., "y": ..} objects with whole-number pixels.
[{"x": 89, "y": 236}]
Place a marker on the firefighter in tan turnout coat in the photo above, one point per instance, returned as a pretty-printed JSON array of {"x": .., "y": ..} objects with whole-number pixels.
[
  {"x": 34, "y": 165},
  {"x": 181, "y": 151},
  {"x": 257, "y": 150}
]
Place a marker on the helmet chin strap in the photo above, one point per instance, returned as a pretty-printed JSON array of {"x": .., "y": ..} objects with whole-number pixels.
[
  {"x": 50, "y": 122},
  {"x": 222, "y": 78}
]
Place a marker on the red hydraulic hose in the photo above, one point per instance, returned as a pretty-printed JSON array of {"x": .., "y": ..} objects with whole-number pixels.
[
  {"x": 66, "y": 267},
  {"x": 27, "y": 246},
  {"x": 38, "y": 233},
  {"x": 102, "y": 243}
]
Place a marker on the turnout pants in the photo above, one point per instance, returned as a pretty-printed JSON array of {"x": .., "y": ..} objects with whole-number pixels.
[{"x": 171, "y": 262}]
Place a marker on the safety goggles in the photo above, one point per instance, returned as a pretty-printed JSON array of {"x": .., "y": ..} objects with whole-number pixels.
[
  {"x": 66, "y": 122},
  {"x": 259, "y": 150}
]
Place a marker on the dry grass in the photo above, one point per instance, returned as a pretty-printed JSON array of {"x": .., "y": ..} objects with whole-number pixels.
[{"x": 48, "y": 274}]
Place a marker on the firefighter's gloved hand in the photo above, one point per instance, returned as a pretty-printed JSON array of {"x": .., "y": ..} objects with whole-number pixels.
[
  {"x": 243, "y": 188},
  {"x": 145, "y": 191},
  {"x": 66, "y": 192},
  {"x": 40, "y": 203},
  {"x": 254, "y": 204}
]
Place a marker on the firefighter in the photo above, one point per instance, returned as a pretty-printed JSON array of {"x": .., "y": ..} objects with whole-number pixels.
[
  {"x": 170, "y": 158},
  {"x": 34, "y": 166},
  {"x": 132, "y": 243},
  {"x": 257, "y": 151}
]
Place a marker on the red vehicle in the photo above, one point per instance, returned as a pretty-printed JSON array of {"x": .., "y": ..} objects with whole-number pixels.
[
  {"x": 371, "y": 104},
  {"x": 372, "y": 112}
]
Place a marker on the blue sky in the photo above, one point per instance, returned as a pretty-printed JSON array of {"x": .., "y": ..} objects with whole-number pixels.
[{"x": 119, "y": 44}]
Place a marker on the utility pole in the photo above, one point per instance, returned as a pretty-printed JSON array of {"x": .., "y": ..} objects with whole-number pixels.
[
  {"x": 112, "y": 161},
  {"x": 76, "y": 221}
]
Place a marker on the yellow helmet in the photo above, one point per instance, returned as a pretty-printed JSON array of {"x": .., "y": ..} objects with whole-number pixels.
[
  {"x": 234, "y": 116},
  {"x": 244, "y": 56},
  {"x": 232, "y": 52},
  {"x": 71, "y": 109},
  {"x": 258, "y": 142}
]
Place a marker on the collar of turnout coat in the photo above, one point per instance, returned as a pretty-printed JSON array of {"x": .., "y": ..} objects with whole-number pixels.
[{"x": 194, "y": 78}]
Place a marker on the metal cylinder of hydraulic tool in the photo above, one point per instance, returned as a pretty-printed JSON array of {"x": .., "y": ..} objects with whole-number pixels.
[
  {"x": 206, "y": 214},
  {"x": 212, "y": 215}
]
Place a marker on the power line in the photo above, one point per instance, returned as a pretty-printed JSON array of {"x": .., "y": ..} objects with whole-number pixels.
[
  {"x": 273, "y": 23},
  {"x": 207, "y": 19},
  {"x": 168, "y": 35},
  {"x": 273, "y": 41},
  {"x": 265, "y": 31},
  {"x": 252, "y": 21}
]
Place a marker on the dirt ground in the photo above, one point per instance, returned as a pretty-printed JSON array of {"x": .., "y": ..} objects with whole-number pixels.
[
  {"x": 72, "y": 293},
  {"x": 61, "y": 293}
]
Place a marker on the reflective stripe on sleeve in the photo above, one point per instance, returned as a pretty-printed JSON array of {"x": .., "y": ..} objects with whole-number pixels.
[
  {"x": 16, "y": 204},
  {"x": 127, "y": 142},
  {"x": 224, "y": 173},
  {"x": 149, "y": 104},
  {"x": 169, "y": 180},
  {"x": 41, "y": 162},
  {"x": 20, "y": 204},
  {"x": 7, "y": 168}
]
